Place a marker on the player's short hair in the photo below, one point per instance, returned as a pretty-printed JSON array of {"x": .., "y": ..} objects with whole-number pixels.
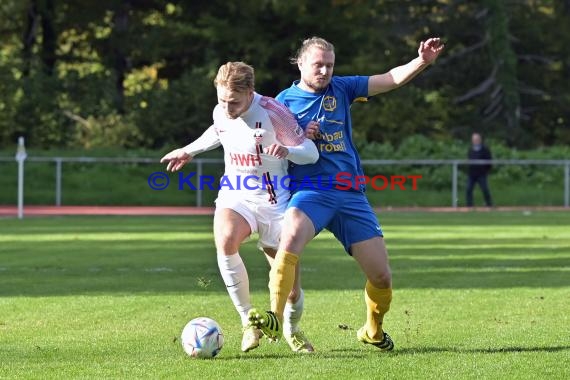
[
  {"x": 237, "y": 76},
  {"x": 318, "y": 42}
]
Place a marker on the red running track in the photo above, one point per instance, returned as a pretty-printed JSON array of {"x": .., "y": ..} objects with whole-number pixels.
[{"x": 105, "y": 210}]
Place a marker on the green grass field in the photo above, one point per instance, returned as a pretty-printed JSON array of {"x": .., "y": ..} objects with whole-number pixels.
[{"x": 476, "y": 296}]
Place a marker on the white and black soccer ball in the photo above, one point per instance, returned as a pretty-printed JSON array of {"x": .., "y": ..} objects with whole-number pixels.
[{"x": 202, "y": 338}]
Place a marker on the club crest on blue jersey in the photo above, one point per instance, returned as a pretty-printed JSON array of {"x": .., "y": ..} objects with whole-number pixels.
[{"x": 329, "y": 103}]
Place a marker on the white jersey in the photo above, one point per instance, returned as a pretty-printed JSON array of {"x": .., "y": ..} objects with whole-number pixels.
[{"x": 249, "y": 173}]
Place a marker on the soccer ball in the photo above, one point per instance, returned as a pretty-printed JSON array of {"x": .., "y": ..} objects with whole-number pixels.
[{"x": 202, "y": 338}]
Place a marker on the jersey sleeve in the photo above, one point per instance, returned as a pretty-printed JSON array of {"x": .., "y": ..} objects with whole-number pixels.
[
  {"x": 282, "y": 96},
  {"x": 287, "y": 131},
  {"x": 354, "y": 86},
  {"x": 208, "y": 141}
]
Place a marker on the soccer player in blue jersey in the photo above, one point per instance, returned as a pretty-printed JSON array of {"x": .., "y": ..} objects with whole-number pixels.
[{"x": 321, "y": 103}]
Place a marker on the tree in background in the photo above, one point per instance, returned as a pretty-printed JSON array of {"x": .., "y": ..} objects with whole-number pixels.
[{"x": 137, "y": 73}]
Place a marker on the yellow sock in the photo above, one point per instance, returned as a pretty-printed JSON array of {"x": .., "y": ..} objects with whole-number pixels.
[
  {"x": 377, "y": 304},
  {"x": 281, "y": 280}
]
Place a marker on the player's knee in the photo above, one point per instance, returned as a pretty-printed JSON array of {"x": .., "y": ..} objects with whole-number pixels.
[
  {"x": 294, "y": 295},
  {"x": 382, "y": 279},
  {"x": 227, "y": 242},
  {"x": 297, "y": 231},
  {"x": 291, "y": 241}
]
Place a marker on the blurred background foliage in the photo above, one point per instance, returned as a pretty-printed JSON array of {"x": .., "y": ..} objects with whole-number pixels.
[{"x": 138, "y": 73}]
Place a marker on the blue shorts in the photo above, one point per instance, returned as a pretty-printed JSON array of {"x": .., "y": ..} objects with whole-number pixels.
[{"x": 347, "y": 214}]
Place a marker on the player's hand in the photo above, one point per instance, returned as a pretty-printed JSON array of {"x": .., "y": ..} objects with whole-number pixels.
[
  {"x": 176, "y": 160},
  {"x": 312, "y": 129},
  {"x": 430, "y": 49},
  {"x": 276, "y": 150}
]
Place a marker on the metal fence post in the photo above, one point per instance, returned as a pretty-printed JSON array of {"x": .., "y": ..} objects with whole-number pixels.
[
  {"x": 454, "y": 185},
  {"x": 567, "y": 184},
  {"x": 21, "y": 156},
  {"x": 199, "y": 190},
  {"x": 58, "y": 162}
]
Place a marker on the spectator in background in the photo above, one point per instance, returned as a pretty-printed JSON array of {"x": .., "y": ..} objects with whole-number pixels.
[{"x": 478, "y": 173}]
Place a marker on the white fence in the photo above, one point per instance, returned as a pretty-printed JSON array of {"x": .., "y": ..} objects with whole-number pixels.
[
  {"x": 200, "y": 162},
  {"x": 454, "y": 170}
]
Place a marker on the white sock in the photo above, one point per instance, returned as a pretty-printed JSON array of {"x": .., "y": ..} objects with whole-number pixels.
[
  {"x": 235, "y": 277},
  {"x": 292, "y": 315}
]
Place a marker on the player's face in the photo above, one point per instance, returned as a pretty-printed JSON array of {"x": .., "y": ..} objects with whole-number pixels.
[
  {"x": 234, "y": 103},
  {"x": 316, "y": 68}
]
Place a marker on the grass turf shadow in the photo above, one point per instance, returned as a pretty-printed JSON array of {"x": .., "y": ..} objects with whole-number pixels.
[{"x": 457, "y": 350}]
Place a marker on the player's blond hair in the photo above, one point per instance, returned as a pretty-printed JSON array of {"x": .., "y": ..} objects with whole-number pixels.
[
  {"x": 318, "y": 42},
  {"x": 237, "y": 76}
]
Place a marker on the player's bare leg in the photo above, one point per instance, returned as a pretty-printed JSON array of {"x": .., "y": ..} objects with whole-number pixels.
[
  {"x": 297, "y": 231},
  {"x": 372, "y": 257},
  {"x": 293, "y": 311},
  {"x": 230, "y": 230}
]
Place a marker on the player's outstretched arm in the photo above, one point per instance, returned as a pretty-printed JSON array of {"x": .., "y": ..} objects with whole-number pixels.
[
  {"x": 428, "y": 52},
  {"x": 177, "y": 158}
]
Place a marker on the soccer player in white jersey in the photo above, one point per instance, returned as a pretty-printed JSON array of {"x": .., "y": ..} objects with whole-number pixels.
[{"x": 259, "y": 136}]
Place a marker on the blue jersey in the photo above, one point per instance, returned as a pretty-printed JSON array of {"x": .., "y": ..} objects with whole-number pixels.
[{"x": 331, "y": 108}]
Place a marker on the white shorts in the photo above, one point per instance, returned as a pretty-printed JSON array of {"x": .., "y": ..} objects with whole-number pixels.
[{"x": 263, "y": 218}]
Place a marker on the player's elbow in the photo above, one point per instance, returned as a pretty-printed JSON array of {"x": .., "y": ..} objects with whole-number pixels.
[
  {"x": 304, "y": 154},
  {"x": 312, "y": 152},
  {"x": 305, "y": 160},
  {"x": 379, "y": 84}
]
